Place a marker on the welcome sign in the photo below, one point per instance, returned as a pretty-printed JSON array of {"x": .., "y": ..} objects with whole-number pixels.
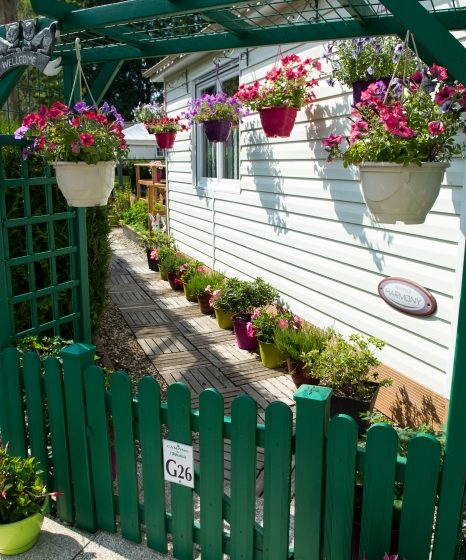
[
  {"x": 24, "y": 45},
  {"x": 407, "y": 296}
]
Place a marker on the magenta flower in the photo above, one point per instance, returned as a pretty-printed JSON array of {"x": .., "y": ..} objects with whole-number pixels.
[
  {"x": 438, "y": 72},
  {"x": 86, "y": 139},
  {"x": 332, "y": 141},
  {"x": 436, "y": 128},
  {"x": 255, "y": 313},
  {"x": 250, "y": 330},
  {"x": 282, "y": 324},
  {"x": 75, "y": 147},
  {"x": 200, "y": 269},
  {"x": 154, "y": 254},
  {"x": 445, "y": 94}
]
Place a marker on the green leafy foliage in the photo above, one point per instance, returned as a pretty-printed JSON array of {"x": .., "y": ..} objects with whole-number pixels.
[
  {"x": 242, "y": 296},
  {"x": 189, "y": 268},
  {"x": 44, "y": 346},
  {"x": 347, "y": 365},
  {"x": 22, "y": 491},
  {"x": 169, "y": 259},
  {"x": 297, "y": 342},
  {"x": 136, "y": 215},
  {"x": 205, "y": 282},
  {"x": 265, "y": 322}
]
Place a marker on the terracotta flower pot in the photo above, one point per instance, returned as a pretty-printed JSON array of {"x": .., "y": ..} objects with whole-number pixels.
[
  {"x": 204, "y": 304},
  {"x": 217, "y": 131},
  {"x": 165, "y": 140},
  {"x": 278, "y": 121},
  {"x": 299, "y": 374},
  {"x": 244, "y": 340},
  {"x": 174, "y": 281}
]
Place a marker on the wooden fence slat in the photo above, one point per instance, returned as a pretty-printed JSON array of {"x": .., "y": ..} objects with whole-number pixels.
[
  {"x": 97, "y": 419},
  {"x": 378, "y": 491},
  {"x": 419, "y": 497},
  {"x": 150, "y": 435},
  {"x": 179, "y": 430},
  {"x": 75, "y": 359},
  {"x": 122, "y": 415},
  {"x": 211, "y": 469},
  {"x": 59, "y": 438},
  {"x": 12, "y": 401},
  {"x": 340, "y": 481},
  {"x": 312, "y": 414},
  {"x": 277, "y": 473},
  {"x": 243, "y": 476},
  {"x": 35, "y": 406}
]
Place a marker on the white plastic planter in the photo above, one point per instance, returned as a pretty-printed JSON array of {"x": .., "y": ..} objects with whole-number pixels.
[
  {"x": 83, "y": 184},
  {"x": 394, "y": 192}
]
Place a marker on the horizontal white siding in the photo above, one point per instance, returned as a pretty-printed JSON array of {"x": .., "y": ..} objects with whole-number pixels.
[{"x": 302, "y": 224}]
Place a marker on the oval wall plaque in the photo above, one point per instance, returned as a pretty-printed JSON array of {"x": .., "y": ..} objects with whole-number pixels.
[{"x": 407, "y": 296}]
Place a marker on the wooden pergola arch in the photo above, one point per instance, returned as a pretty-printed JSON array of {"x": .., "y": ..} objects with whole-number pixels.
[{"x": 134, "y": 29}]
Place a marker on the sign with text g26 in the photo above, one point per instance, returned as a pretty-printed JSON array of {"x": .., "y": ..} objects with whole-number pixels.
[{"x": 178, "y": 463}]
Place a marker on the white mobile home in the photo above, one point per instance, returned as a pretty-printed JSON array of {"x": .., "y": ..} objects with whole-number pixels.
[{"x": 275, "y": 208}]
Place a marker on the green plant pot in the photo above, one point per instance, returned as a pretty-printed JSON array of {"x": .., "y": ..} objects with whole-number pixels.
[
  {"x": 18, "y": 537},
  {"x": 223, "y": 319},
  {"x": 189, "y": 294},
  {"x": 163, "y": 273},
  {"x": 271, "y": 357}
]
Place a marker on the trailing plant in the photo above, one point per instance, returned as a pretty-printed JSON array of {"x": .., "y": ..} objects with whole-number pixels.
[
  {"x": 288, "y": 84},
  {"x": 367, "y": 58},
  {"x": 215, "y": 106},
  {"x": 347, "y": 365},
  {"x": 205, "y": 282},
  {"x": 295, "y": 340},
  {"x": 22, "y": 491}
]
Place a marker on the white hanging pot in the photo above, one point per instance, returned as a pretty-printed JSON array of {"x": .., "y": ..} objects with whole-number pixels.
[
  {"x": 394, "y": 192},
  {"x": 84, "y": 184}
]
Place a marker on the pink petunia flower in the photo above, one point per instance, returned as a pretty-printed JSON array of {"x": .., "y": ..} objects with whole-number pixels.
[
  {"x": 436, "y": 127},
  {"x": 86, "y": 139},
  {"x": 250, "y": 330},
  {"x": 282, "y": 324},
  {"x": 332, "y": 141}
]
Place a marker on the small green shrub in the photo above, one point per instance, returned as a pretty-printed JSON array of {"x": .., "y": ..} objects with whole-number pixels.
[
  {"x": 200, "y": 281},
  {"x": 243, "y": 296},
  {"x": 136, "y": 215},
  {"x": 296, "y": 342},
  {"x": 22, "y": 491}
]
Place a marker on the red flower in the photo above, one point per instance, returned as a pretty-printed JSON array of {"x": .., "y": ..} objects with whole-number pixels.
[
  {"x": 86, "y": 139},
  {"x": 436, "y": 128}
]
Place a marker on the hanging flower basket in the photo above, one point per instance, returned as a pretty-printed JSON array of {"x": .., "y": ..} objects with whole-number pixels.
[
  {"x": 278, "y": 121},
  {"x": 84, "y": 184},
  {"x": 217, "y": 130},
  {"x": 394, "y": 192},
  {"x": 165, "y": 140},
  {"x": 361, "y": 85}
]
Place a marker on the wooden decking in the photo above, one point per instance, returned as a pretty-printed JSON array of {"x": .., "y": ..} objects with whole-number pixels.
[{"x": 185, "y": 345}]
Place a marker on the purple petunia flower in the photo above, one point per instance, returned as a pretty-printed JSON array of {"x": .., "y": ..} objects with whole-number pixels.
[
  {"x": 81, "y": 106},
  {"x": 20, "y": 132}
]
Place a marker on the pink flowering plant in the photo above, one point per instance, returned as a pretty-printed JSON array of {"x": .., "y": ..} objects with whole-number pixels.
[
  {"x": 415, "y": 121},
  {"x": 189, "y": 269},
  {"x": 288, "y": 84},
  {"x": 215, "y": 106},
  {"x": 264, "y": 323},
  {"x": 82, "y": 133}
]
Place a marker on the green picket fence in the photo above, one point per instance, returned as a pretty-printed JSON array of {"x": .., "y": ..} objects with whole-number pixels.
[{"x": 67, "y": 418}]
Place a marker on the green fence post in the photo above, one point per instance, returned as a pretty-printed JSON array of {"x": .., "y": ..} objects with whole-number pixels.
[
  {"x": 312, "y": 414},
  {"x": 75, "y": 360}
]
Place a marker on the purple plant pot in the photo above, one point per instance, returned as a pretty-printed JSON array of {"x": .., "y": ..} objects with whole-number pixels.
[
  {"x": 243, "y": 339},
  {"x": 217, "y": 131}
]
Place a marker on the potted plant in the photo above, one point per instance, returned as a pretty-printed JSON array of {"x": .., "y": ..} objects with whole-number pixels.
[
  {"x": 186, "y": 272},
  {"x": 356, "y": 63},
  {"x": 253, "y": 294},
  {"x": 202, "y": 285},
  {"x": 286, "y": 89},
  {"x": 348, "y": 366},
  {"x": 217, "y": 112},
  {"x": 152, "y": 241},
  {"x": 264, "y": 323},
  {"x": 294, "y": 340},
  {"x": 83, "y": 145},
  {"x": 402, "y": 140},
  {"x": 157, "y": 122},
  {"x": 22, "y": 504},
  {"x": 170, "y": 261}
]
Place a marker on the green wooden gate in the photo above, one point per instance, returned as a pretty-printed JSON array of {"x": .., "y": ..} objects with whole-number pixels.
[
  {"x": 43, "y": 253},
  {"x": 76, "y": 426}
]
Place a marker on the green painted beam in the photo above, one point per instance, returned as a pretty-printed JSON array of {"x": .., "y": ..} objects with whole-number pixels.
[
  {"x": 256, "y": 37},
  {"x": 8, "y": 82},
  {"x": 431, "y": 34},
  {"x": 125, "y": 12},
  {"x": 358, "y": 9},
  {"x": 104, "y": 81},
  {"x": 231, "y": 23}
]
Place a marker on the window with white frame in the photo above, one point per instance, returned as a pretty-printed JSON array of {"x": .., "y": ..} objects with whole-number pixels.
[{"x": 217, "y": 163}]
